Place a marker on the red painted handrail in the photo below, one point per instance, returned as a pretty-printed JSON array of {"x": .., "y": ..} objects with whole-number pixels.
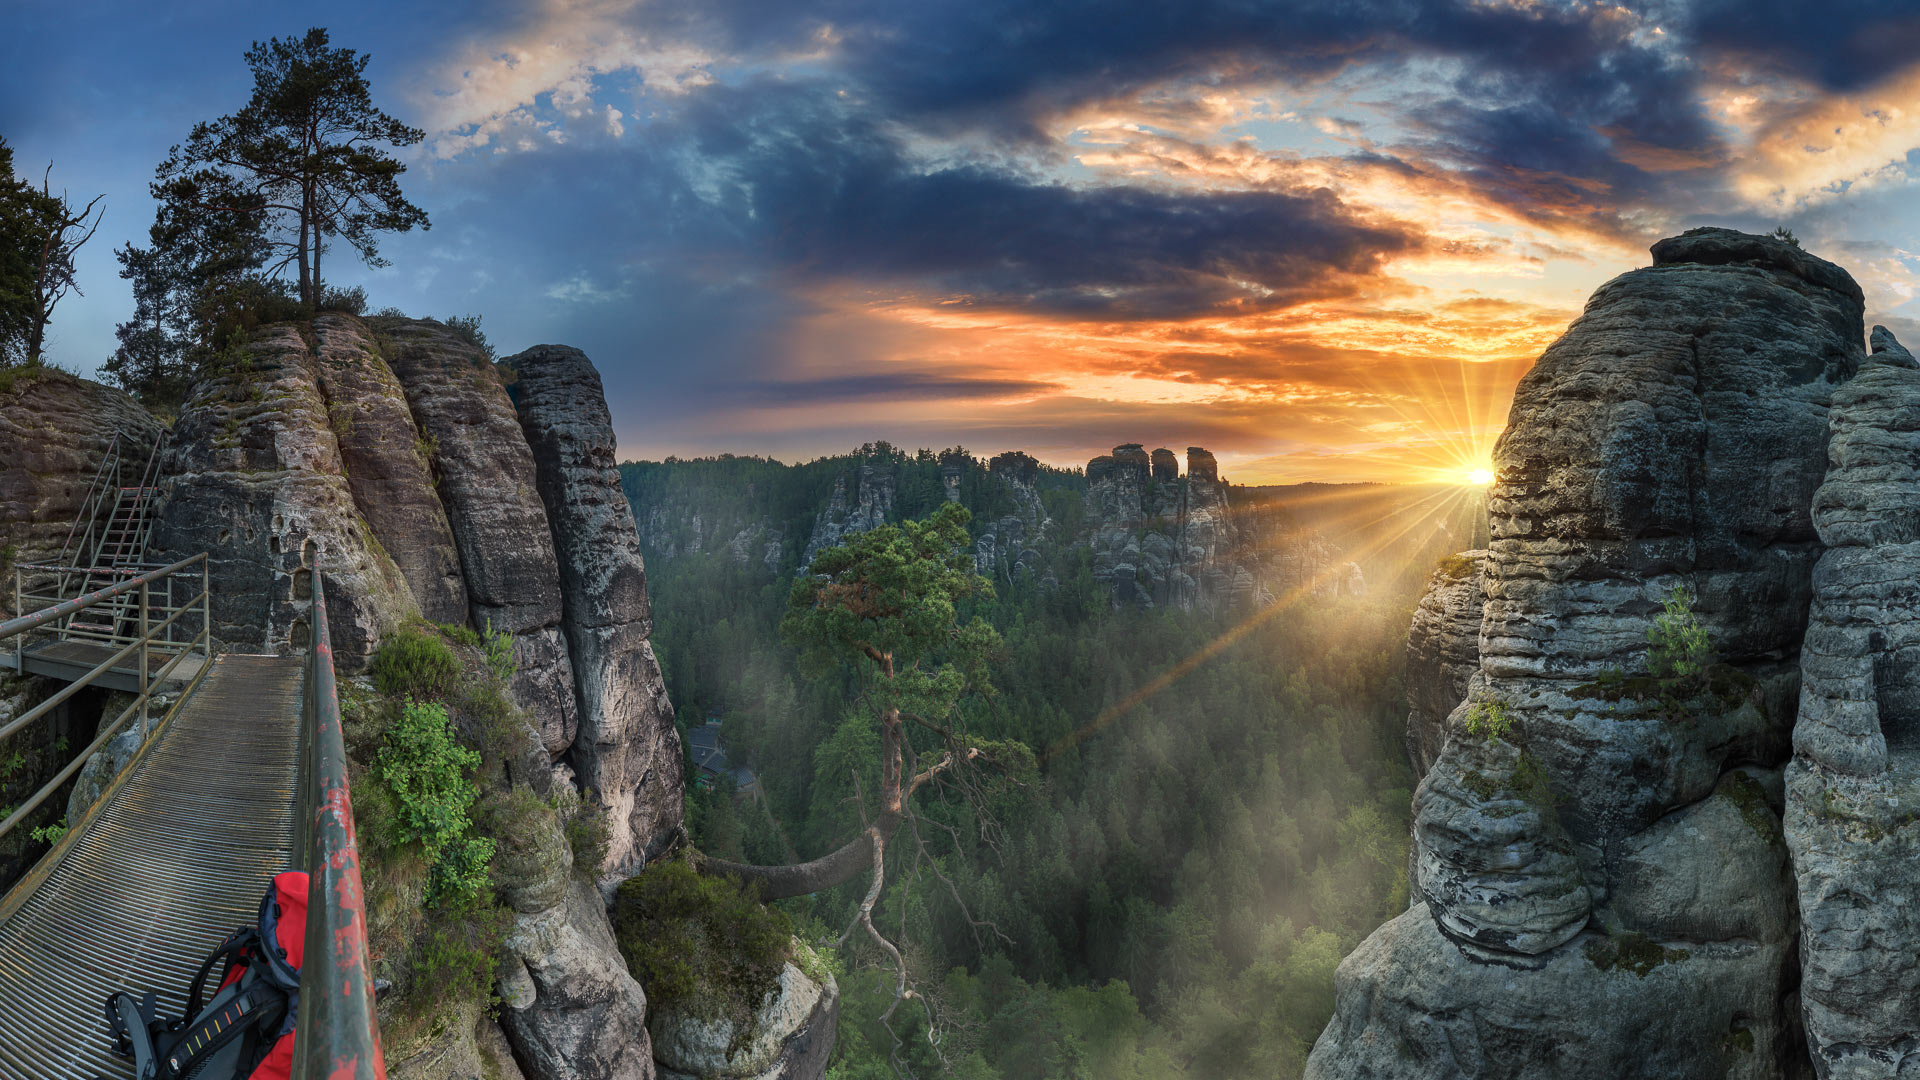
[{"x": 338, "y": 1037}]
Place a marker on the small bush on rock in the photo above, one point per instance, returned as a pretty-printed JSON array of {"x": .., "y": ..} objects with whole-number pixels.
[
  {"x": 1679, "y": 648},
  {"x": 414, "y": 662},
  {"x": 429, "y": 775},
  {"x": 700, "y": 941}
]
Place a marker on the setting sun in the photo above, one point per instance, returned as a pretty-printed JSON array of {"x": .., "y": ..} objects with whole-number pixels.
[{"x": 1479, "y": 477}]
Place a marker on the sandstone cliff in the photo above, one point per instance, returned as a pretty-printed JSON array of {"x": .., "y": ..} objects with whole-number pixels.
[
  {"x": 627, "y": 750},
  {"x": 1602, "y": 885},
  {"x": 1853, "y": 788},
  {"x": 54, "y": 429},
  {"x": 388, "y": 455}
]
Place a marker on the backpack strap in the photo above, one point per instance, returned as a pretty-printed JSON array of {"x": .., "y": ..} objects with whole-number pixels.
[
  {"x": 234, "y": 948},
  {"x": 207, "y": 1035}
]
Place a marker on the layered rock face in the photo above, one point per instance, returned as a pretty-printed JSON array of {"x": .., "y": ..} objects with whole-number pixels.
[
  {"x": 486, "y": 482},
  {"x": 386, "y": 466},
  {"x": 54, "y": 430},
  {"x": 1853, "y": 788},
  {"x": 570, "y": 1008},
  {"x": 254, "y": 477},
  {"x": 1443, "y": 652},
  {"x": 868, "y": 508},
  {"x": 1159, "y": 540},
  {"x": 1601, "y": 881},
  {"x": 627, "y": 751},
  {"x": 1008, "y": 547}
]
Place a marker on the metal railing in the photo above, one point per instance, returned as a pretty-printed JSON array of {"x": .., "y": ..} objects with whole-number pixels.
[
  {"x": 142, "y": 642},
  {"x": 339, "y": 1033}
]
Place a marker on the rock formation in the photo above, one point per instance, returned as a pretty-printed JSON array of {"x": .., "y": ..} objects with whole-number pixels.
[
  {"x": 790, "y": 1036},
  {"x": 386, "y": 466},
  {"x": 1162, "y": 540},
  {"x": 1443, "y": 652},
  {"x": 870, "y": 506},
  {"x": 389, "y": 455},
  {"x": 54, "y": 429},
  {"x": 1008, "y": 547},
  {"x": 1853, "y": 788},
  {"x": 486, "y": 481},
  {"x": 569, "y": 1006},
  {"x": 254, "y": 477},
  {"x": 1602, "y": 886},
  {"x": 627, "y": 750}
]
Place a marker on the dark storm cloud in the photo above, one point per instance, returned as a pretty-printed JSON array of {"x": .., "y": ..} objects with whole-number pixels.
[
  {"x": 828, "y": 193},
  {"x": 1839, "y": 45},
  {"x": 889, "y": 386},
  {"x": 1531, "y": 100}
]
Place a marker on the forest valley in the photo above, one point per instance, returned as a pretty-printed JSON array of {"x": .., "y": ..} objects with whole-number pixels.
[{"x": 1182, "y": 820}]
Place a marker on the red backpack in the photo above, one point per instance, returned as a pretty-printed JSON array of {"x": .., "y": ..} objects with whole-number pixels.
[{"x": 245, "y": 1030}]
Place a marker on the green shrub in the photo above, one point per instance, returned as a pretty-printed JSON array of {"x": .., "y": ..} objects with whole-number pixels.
[
  {"x": 467, "y": 329},
  {"x": 1679, "y": 646},
  {"x": 352, "y": 300},
  {"x": 1488, "y": 718},
  {"x": 414, "y": 662},
  {"x": 47, "y": 834},
  {"x": 433, "y": 791},
  {"x": 586, "y": 826},
  {"x": 700, "y": 940},
  {"x": 499, "y": 649}
]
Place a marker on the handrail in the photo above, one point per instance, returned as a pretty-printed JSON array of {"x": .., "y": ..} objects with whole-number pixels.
[
  {"x": 143, "y": 644},
  {"x": 339, "y": 1035},
  {"x": 24, "y": 623}
]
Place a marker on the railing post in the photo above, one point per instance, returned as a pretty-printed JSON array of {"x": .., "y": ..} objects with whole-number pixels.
[
  {"x": 19, "y": 640},
  {"x": 206, "y": 607},
  {"x": 146, "y": 607}
]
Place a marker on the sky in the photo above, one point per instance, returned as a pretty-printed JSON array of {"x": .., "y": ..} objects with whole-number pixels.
[{"x": 1322, "y": 239}]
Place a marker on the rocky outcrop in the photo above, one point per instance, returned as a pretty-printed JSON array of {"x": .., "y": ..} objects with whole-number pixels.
[
  {"x": 254, "y": 476},
  {"x": 54, "y": 431},
  {"x": 569, "y": 1006},
  {"x": 1443, "y": 652},
  {"x": 1008, "y": 547},
  {"x": 789, "y": 1037},
  {"x": 1600, "y": 868},
  {"x": 627, "y": 751},
  {"x": 1159, "y": 540},
  {"x": 1853, "y": 790},
  {"x": 869, "y": 507},
  {"x": 472, "y": 436},
  {"x": 385, "y": 463}
]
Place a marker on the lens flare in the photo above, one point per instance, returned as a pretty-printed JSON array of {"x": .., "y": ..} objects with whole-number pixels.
[{"x": 1479, "y": 477}]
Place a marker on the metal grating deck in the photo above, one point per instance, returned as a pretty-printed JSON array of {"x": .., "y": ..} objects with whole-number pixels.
[{"x": 178, "y": 858}]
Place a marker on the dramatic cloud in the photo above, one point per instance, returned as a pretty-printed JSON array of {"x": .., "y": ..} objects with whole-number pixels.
[{"x": 1322, "y": 238}]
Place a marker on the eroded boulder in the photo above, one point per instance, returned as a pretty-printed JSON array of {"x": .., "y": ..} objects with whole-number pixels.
[{"x": 789, "y": 1036}]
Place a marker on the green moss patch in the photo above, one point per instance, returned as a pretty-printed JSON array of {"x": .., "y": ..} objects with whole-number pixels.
[
  {"x": 1632, "y": 951},
  {"x": 1750, "y": 799}
]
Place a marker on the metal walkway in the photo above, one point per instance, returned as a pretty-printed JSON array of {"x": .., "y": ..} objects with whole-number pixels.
[{"x": 173, "y": 860}]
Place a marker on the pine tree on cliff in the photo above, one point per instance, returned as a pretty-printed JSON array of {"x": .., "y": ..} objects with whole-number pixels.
[
  {"x": 255, "y": 196},
  {"x": 886, "y": 605}
]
